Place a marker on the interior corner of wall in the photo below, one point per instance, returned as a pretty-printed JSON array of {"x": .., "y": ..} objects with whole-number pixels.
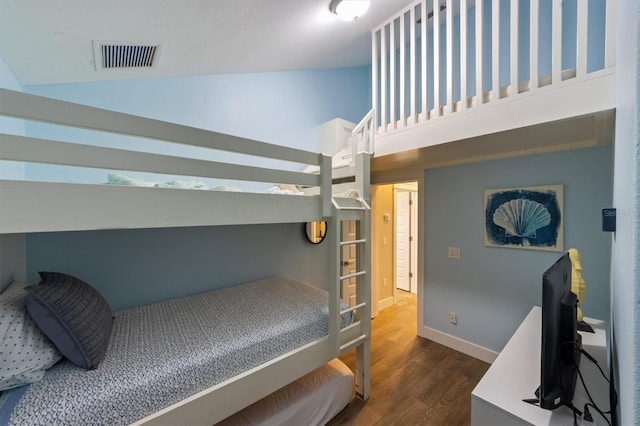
[{"x": 13, "y": 264}]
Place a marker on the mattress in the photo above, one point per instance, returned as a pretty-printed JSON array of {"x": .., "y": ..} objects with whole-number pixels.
[
  {"x": 313, "y": 399},
  {"x": 162, "y": 353},
  {"x": 342, "y": 158},
  {"x": 129, "y": 180}
]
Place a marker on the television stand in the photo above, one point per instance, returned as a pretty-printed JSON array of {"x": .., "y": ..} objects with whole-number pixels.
[
  {"x": 583, "y": 326},
  {"x": 536, "y": 402},
  {"x": 497, "y": 399}
]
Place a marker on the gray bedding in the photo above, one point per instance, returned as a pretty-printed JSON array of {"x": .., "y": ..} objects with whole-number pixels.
[{"x": 162, "y": 353}]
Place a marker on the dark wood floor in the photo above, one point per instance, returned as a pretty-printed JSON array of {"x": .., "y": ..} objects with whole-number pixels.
[{"x": 414, "y": 381}]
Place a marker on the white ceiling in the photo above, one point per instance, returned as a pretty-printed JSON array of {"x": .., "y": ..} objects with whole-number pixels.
[{"x": 50, "y": 41}]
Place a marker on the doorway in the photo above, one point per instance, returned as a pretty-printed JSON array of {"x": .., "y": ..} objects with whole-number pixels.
[{"x": 395, "y": 257}]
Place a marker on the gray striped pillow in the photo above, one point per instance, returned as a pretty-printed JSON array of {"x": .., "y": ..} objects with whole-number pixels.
[{"x": 73, "y": 315}]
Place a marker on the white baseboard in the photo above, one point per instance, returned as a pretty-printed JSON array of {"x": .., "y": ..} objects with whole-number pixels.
[
  {"x": 458, "y": 344},
  {"x": 385, "y": 303}
]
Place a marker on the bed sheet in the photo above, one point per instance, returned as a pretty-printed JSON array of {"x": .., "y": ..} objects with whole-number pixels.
[
  {"x": 162, "y": 353},
  {"x": 121, "y": 179},
  {"x": 312, "y": 400}
]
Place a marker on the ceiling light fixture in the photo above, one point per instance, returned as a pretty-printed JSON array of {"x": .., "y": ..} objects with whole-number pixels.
[{"x": 349, "y": 10}]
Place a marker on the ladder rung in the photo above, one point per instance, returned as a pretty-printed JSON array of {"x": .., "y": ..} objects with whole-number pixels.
[
  {"x": 352, "y": 208},
  {"x": 355, "y": 274},
  {"x": 347, "y": 243},
  {"x": 355, "y": 342},
  {"x": 353, "y": 308},
  {"x": 357, "y": 324}
]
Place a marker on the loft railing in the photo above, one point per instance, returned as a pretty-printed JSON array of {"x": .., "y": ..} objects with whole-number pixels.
[
  {"x": 363, "y": 136},
  {"x": 483, "y": 51}
]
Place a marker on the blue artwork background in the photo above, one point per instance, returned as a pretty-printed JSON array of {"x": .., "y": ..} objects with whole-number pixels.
[{"x": 546, "y": 237}]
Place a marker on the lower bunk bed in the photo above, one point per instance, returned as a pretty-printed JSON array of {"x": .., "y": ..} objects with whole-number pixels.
[
  {"x": 162, "y": 354},
  {"x": 314, "y": 399}
]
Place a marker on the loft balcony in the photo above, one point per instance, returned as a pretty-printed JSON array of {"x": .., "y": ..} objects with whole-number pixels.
[{"x": 493, "y": 67}]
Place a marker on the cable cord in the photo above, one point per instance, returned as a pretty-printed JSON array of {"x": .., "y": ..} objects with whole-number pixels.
[
  {"x": 614, "y": 394},
  {"x": 592, "y": 402}
]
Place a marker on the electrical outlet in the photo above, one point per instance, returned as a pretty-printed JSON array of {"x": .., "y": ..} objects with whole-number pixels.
[
  {"x": 454, "y": 252},
  {"x": 384, "y": 282},
  {"x": 452, "y": 318}
]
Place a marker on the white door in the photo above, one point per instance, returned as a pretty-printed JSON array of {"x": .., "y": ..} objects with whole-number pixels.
[
  {"x": 403, "y": 251},
  {"x": 348, "y": 293}
]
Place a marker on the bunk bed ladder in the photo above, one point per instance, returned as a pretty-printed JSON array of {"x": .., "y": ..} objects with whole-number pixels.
[{"x": 357, "y": 335}]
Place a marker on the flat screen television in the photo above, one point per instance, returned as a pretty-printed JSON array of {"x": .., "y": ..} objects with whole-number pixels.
[{"x": 561, "y": 342}]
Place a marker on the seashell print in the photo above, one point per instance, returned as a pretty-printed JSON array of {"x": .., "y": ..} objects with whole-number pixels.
[{"x": 521, "y": 217}]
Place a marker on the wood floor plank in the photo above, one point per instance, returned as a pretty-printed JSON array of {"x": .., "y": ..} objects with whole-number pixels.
[{"x": 414, "y": 381}]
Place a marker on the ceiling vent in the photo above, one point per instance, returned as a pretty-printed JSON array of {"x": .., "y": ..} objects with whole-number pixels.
[{"x": 114, "y": 55}]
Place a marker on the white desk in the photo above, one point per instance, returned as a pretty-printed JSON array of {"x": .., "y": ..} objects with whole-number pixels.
[{"x": 515, "y": 375}]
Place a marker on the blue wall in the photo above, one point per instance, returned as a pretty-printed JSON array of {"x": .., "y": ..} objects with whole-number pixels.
[
  {"x": 9, "y": 169},
  {"x": 492, "y": 289},
  {"x": 133, "y": 267},
  {"x": 12, "y": 262},
  {"x": 283, "y": 108}
]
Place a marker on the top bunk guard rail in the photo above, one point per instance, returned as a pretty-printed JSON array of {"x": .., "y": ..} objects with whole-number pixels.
[
  {"x": 37, "y": 108},
  {"x": 20, "y": 148},
  {"x": 556, "y": 57},
  {"x": 99, "y": 206}
]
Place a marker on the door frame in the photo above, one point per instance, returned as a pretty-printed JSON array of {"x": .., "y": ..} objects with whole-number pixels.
[{"x": 399, "y": 176}]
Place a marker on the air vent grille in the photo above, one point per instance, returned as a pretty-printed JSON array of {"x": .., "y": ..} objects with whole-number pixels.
[{"x": 110, "y": 55}]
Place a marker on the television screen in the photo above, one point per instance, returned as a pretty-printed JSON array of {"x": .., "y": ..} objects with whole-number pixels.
[{"x": 561, "y": 343}]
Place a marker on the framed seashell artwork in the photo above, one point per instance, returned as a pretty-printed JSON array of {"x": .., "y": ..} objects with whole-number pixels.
[{"x": 526, "y": 218}]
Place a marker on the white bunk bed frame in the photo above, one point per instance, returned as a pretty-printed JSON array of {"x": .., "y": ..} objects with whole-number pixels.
[
  {"x": 101, "y": 207},
  {"x": 354, "y": 176},
  {"x": 362, "y": 140}
]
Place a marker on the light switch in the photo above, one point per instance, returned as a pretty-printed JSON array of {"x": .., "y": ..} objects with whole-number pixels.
[{"x": 454, "y": 252}]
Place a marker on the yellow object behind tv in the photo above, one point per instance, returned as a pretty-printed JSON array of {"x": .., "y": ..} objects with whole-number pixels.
[{"x": 578, "y": 285}]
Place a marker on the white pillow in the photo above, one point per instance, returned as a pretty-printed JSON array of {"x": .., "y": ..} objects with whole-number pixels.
[
  {"x": 226, "y": 188},
  {"x": 122, "y": 179},
  {"x": 181, "y": 184},
  {"x": 25, "y": 352},
  {"x": 342, "y": 158}
]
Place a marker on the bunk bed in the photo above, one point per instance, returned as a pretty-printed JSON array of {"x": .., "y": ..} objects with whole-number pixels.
[
  {"x": 34, "y": 206},
  {"x": 345, "y": 164}
]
